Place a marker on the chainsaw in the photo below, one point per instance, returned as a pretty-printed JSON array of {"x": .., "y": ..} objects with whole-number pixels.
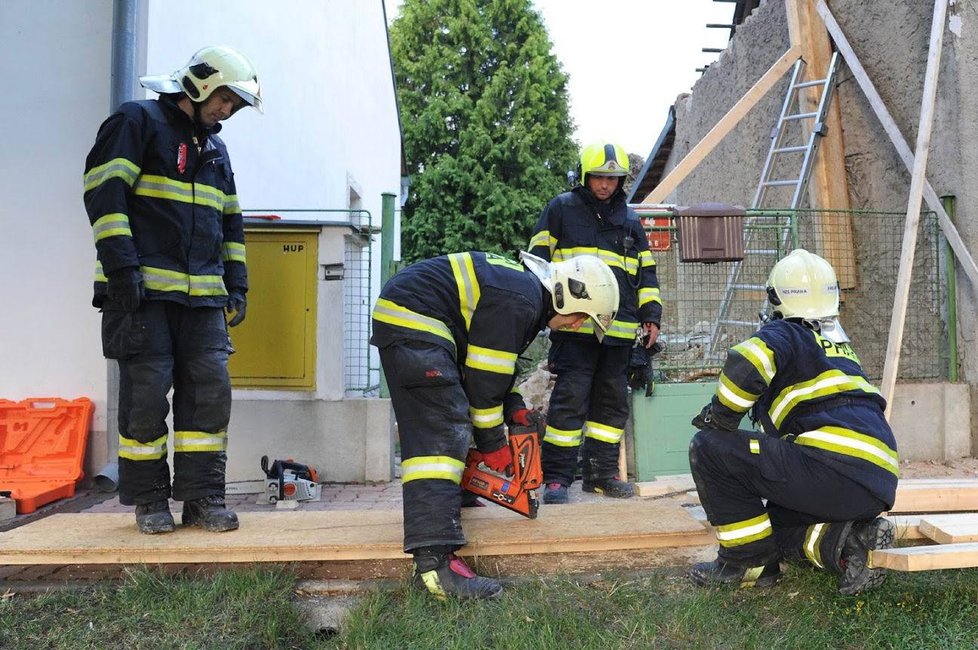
[
  {"x": 287, "y": 480},
  {"x": 518, "y": 492}
]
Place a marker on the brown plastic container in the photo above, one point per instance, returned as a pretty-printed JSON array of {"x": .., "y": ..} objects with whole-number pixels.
[{"x": 710, "y": 232}]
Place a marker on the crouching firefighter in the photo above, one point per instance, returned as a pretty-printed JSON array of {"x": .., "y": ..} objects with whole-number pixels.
[
  {"x": 449, "y": 331},
  {"x": 826, "y": 461}
]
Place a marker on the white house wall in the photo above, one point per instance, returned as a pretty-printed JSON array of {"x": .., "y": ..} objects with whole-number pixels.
[{"x": 54, "y": 60}]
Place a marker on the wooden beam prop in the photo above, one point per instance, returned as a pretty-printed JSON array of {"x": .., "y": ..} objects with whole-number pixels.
[
  {"x": 893, "y": 131},
  {"x": 723, "y": 127},
  {"x": 917, "y": 180},
  {"x": 926, "y": 558},
  {"x": 828, "y": 188}
]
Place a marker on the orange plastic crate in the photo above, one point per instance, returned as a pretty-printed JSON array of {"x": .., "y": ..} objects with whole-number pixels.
[{"x": 42, "y": 446}]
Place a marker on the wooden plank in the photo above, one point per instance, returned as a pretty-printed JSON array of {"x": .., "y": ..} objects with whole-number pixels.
[
  {"x": 889, "y": 125},
  {"x": 829, "y": 186},
  {"x": 665, "y": 485},
  {"x": 915, "y": 497},
  {"x": 723, "y": 127},
  {"x": 89, "y": 538},
  {"x": 917, "y": 178},
  {"x": 950, "y": 529},
  {"x": 926, "y": 558}
]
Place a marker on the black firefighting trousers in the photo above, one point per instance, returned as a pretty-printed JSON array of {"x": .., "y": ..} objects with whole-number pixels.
[
  {"x": 735, "y": 470},
  {"x": 163, "y": 345},
  {"x": 591, "y": 388},
  {"x": 434, "y": 428}
]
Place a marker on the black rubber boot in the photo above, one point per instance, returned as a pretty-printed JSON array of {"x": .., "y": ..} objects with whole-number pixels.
[
  {"x": 863, "y": 537},
  {"x": 610, "y": 487},
  {"x": 210, "y": 514},
  {"x": 555, "y": 493},
  {"x": 155, "y": 517},
  {"x": 718, "y": 572},
  {"x": 445, "y": 574}
]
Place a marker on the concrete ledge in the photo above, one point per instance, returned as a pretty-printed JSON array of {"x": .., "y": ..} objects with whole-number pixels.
[
  {"x": 932, "y": 421},
  {"x": 347, "y": 441}
]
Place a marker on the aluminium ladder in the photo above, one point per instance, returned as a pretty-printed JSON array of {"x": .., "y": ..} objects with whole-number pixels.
[{"x": 789, "y": 142}]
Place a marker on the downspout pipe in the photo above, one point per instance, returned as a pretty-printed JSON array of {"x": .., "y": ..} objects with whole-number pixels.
[{"x": 122, "y": 89}]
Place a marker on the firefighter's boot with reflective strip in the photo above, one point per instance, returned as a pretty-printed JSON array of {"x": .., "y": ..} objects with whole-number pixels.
[
  {"x": 861, "y": 538},
  {"x": 445, "y": 575},
  {"x": 718, "y": 572},
  {"x": 209, "y": 513},
  {"x": 155, "y": 517}
]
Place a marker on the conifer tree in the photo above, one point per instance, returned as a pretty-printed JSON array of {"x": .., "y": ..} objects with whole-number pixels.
[{"x": 485, "y": 121}]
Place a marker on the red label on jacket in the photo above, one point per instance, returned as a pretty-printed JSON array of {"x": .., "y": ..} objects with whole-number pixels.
[{"x": 182, "y": 157}]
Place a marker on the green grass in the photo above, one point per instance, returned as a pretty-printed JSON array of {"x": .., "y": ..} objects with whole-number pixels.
[{"x": 256, "y": 609}]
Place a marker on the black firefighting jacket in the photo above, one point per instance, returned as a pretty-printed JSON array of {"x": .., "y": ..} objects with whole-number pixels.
[
  {"x": 157, "y": 203},
  {"x": 803, "y": 387},
  {"x": 483, "y": 308},
  {"x": 575, "y": 223}
]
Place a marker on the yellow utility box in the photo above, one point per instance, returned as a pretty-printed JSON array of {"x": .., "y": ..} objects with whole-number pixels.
[{"x": 275, "y": 346}]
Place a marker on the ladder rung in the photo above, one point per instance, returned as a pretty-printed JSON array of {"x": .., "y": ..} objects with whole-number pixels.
[
  {"x": 780, "y": 183},
  {"x": 809, "y": 84},
  {"x": 791, "y": 149},
  {"x": 800, "y": 116},
  {"x": 745, "y": 323}
]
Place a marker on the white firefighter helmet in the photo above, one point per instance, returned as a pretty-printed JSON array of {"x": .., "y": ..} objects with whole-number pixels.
[
  {"x": 803, "y": 285},
  {"x": 209, "y": 69},
  {"x": 580, "y": 285}
]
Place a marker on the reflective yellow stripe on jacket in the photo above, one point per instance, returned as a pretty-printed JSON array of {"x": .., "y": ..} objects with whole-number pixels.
[
  {"x": 391, "y": 313},
  {"x": 120, "y": 168},
  {"x": 162, "y": 187},
  {"x": 830, "y": 382},
  {"x": 468, "y": 285},
  {"x": 851, "y": 443}
]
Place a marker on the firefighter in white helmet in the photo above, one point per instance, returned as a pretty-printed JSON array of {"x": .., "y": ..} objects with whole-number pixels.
[
  {"x": 589, "y": 403},
  {"x": 810, "y": 484},
  {"x": 164, "y": 211},
  {"x": 449, "y": 331}
]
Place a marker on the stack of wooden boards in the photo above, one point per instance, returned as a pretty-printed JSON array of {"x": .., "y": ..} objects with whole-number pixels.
[{"x": 940, "y": 517}]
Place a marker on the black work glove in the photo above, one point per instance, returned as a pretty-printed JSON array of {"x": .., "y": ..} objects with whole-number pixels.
[
  {"x": 640, "y": 367},
  {"x": 707, "y": 419},
  {"x": 238, "y": 305},
  {"x": 125, "y": 287},
  {"x": 704, "y": 419}
]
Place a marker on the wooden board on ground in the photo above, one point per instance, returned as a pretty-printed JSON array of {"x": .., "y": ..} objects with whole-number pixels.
[
  {"x": 950, "y": 529},
  {"x": 936, "y": 495},
  {"x": 927, "y": 558},
  {"x": 89, "y": 538},
  {"x": 665, "y": 485}
]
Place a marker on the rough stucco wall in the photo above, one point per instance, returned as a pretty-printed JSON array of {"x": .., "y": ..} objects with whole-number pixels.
[{"x": 891, "y": 40}]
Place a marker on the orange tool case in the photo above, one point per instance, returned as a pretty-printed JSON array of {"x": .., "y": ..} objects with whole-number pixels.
[{"x": 42, "y": 446}]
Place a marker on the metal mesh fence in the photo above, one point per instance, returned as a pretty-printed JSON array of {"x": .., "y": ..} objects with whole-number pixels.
[
  {"x": 356, "y": 312},
  {"x": 709, "y": 307}
]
